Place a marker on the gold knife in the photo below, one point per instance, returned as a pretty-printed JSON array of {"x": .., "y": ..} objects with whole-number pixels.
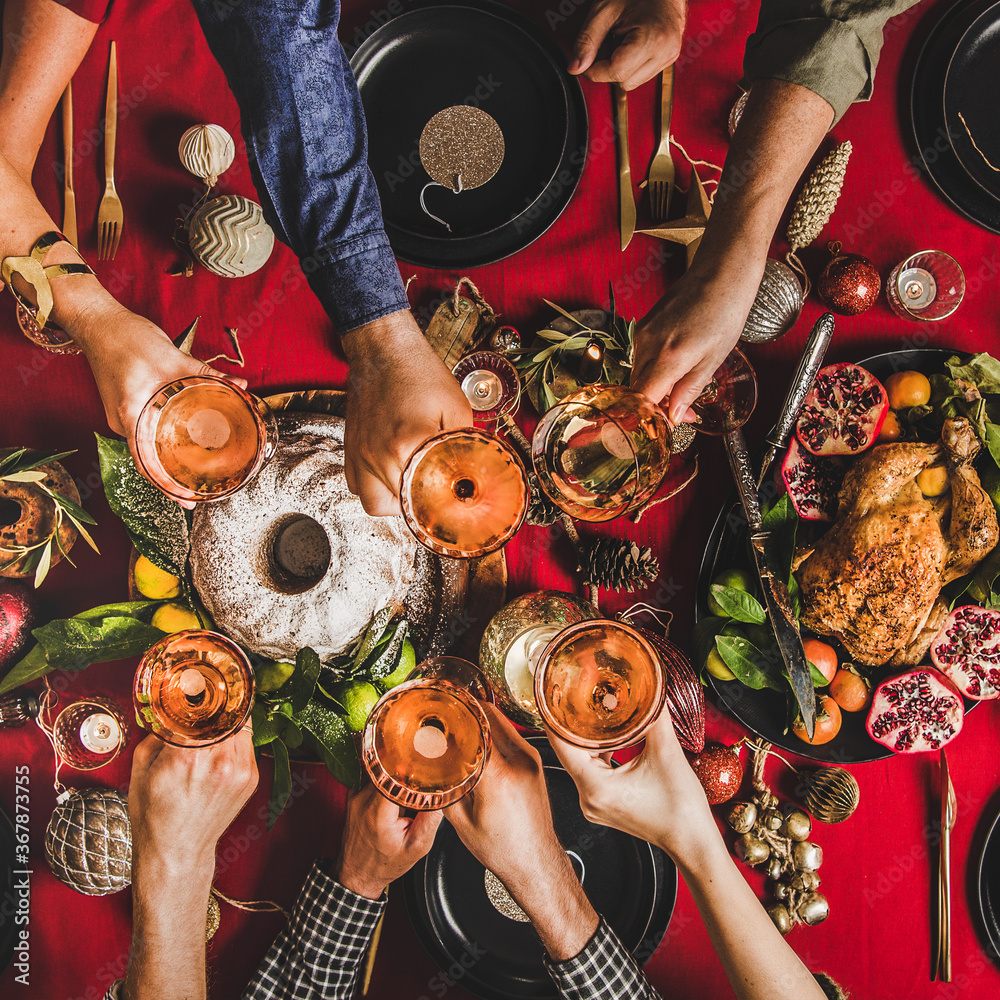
[
  {"x": 69, "y": 195},
  {"x": 624, "y": 171}
]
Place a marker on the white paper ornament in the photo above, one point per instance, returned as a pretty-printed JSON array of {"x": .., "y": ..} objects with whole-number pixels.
[
  {"x": 228, "y": 235},
  {"x": 206, "y": 151}
]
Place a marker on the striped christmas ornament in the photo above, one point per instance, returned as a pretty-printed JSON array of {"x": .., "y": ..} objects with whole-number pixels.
[
  {"x": 206, "y": 151},
  {"x": 228, "y": 235}
]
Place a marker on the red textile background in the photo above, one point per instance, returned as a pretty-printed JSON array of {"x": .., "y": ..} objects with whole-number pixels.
[{"x": 880, "y": 866}]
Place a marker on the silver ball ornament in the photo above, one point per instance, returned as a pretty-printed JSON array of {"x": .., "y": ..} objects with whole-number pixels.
[{"x": 777, "y": 306}]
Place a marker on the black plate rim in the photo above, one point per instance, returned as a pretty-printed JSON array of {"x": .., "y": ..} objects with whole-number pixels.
[
  {"x": 990, "y": 925},
  {"x": 8, "y": 861},
  {"x": 414, "y": 897},
  {"x": 927, "y": 121},
  {"x": 706, "y": 572},
  {"x": 505, "y": 240},
  {"x": 993, "y": 14}
]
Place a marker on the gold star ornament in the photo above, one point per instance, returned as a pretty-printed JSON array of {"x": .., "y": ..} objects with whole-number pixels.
[{"x": 688, "y": 230}]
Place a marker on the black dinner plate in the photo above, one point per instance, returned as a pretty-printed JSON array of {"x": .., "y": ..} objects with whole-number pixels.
[
  {"x": 933, "y": 133},
  {"x": 633, "y": 884},
  {"x": 8, "y": 901},
  {"x": 972, "y": 75},
  {"x": 483, "y": 54},
  {"x": 763, "y": 712},
  {"x": 988, "y": 882}
]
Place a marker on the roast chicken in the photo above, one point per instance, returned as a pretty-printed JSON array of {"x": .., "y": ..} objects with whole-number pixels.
[{"x": 873, "y": 580}]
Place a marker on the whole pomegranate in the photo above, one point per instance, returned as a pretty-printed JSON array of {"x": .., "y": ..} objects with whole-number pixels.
[
  {"x": 843, "y": 412},
  {"x": 17, "y": 618},
  {"x": 719, "y": 770},
  {"x": 915, "y": 711},
  {"x": 812, "y": 482},
  {"x": 967, "y": 651}
]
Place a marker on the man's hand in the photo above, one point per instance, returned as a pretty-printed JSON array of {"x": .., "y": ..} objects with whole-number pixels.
[
  {"x": 399, "y": 394},
  {"x": 506, "y": 822},
  {"x": 649, "y": 33},
  {"x": 181, "y": 800},
  {"x": 380, "y": 843},
  {"x": 655, "y": 796}
]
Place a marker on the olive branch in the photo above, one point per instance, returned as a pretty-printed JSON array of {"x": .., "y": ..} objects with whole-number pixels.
[{"x": 22, "y": 466}]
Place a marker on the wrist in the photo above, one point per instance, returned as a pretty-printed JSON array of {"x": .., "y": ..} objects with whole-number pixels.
[
  {"x": 380, "y": 336},
  {"x": 703, "y": 853},
  {"x": 358, "y": 881}
]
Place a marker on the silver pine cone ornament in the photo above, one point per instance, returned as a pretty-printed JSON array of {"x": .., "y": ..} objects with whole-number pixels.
[
  {"x": 88, "y": 842},
  {"x": 618, "y": 564}
]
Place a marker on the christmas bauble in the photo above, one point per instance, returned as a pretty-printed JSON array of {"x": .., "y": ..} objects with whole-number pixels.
[
  {"x": 505, "y": 339},
  {"x": 88, "y": 842},
  {"x": 849, "y": 284},
  {"x": 832, "y": 794},
  {"x": 228, "y": 235},
  {"x": 719, "y": 770},
  {"x": 206, "y": 151},
  {"x": 777, "y": 306},
  {"x": 17, "y": 618}
]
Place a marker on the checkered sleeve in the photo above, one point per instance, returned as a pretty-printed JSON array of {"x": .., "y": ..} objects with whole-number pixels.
[
  {"x": 603, "y": 969},
  {"x": 319, "y": 953},
  {"x": 115, "y": 990}
]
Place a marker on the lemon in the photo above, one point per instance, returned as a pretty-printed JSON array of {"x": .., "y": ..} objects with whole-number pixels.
[
  {"x": 153, "y": 582},
  {"x": 716, "y": 666},
  {"x": 933, "y": 480},
  {"x": 738, "y": 579},
  {"x": 271, "y": 674},
  {"x": 407, "y": 661},
  {"x": 171, "y": 618},
  {"x": 358, "y": 699}
]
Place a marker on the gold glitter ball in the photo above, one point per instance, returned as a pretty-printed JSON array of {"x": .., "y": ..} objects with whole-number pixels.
[
  {"x": 213, "y": 919},
  {"x": 461, "y": 147},
  {"x": 501, "y": 899}
]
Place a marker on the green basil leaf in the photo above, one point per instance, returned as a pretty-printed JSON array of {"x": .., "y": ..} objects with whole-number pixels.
[
  {"x": 752, "y": 667},
  {"x": 301, "y": 683},
  {"x": 281, "y": 790},
  {"x": 73, "y": 644},
  {"x": 819, "y": 680},
  {"x": 780, "y": 514},
  {"x": 388, "y": 659},
  {"x": 266, "y": 728},
  {"x": 376, "y": 630},
  {"x": 130, "y": 609},
  {"x": 157, "y": 526},
  {"x": 29, "y": 668},
  {"x": 292, "y": 736},
  {"x": 333, "y": 741},
  {"x": 738, "y": 604}
]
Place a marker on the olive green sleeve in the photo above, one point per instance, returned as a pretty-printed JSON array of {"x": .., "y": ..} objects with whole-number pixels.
[{"x": 830, "y": 47}]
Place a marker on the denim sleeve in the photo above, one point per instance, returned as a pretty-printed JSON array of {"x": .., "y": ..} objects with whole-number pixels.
[
  {"x": 305, "y": 134},
  {"x": 831, "y": 47}
]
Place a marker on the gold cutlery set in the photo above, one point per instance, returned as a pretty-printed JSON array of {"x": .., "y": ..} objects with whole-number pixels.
[{"x": 110, "y": 217}]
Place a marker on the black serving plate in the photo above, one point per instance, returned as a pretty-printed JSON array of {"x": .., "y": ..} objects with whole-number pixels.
[
  {"x": 988, "y": 885},
  {"x": 8, "y": 901},
  {"x": 939, "y": 136},
  {"x": 763, "y": 712},
  {"x": 633, "y": 884},
  {"x": 484, "y": 54}
]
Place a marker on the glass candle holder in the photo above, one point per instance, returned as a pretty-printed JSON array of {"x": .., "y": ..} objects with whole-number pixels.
[
  {"x": 728, "y": 400},
  {"x": 426, "y": 743},
  {"x": 193, "y": 689},
  {"x": 464, "y": 493},
  {"x": 490, "y": 384},
  {"x": 90, "y": 733},
  {"x": 202, "y": 438},
  {"x": 602, "y": 451},
  {"x": 53, "y": 338},
  {"x": 927, "y": 286},
  {"x": 514, "y": 641},
  {"x": 599, "y": 685}
]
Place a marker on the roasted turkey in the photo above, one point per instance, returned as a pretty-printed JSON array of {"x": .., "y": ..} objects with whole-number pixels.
[{"x": 873, "y": 580}]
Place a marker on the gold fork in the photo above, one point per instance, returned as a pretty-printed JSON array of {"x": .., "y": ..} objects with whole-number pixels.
[
  {"x": 110, "y": 217},
  {"x": 660, "y": 182}
]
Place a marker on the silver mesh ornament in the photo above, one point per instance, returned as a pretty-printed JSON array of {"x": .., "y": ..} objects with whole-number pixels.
[{"x": 88, "y": 842}]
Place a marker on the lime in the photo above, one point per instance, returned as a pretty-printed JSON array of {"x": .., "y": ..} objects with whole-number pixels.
[
  {"x": 173, "y": 618},
  {"x": 358, "y": 699},
  {"x": 716, "y": 666},
  {"x": 153, "y": 582},
  {"x": 738, "y": 579},
  {"x": 407, "y": 661},
  {"x": 271, "y": 674},
  {"x": 762, "y": 636}
]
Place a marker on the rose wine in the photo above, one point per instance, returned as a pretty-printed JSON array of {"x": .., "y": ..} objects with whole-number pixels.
[
  {"x": 194, "y": 688},
  {"x": 426, "y": 743},
  {"x": 727, "y": 401}
]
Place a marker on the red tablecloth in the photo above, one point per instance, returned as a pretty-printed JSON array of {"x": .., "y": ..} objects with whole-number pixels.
[{"x": 880, "y": 866}]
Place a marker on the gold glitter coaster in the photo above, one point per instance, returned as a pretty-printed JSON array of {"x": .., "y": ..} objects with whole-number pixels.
[
  {"x": 501, "y": 899},
  {"x": 461, "y": 147}
]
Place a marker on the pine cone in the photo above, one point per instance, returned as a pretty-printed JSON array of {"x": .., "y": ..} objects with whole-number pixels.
[
  {"x": 818, "y": 198},
  {"x": 541, "y": 510},
  {"x": 617, "y": 564}
]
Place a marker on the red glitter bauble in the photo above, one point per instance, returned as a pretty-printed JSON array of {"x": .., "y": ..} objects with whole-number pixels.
[
  {"x": 719, "y": 770},
  {"x": 849, "y": 284},
  {"x": 17, "y": 618}
]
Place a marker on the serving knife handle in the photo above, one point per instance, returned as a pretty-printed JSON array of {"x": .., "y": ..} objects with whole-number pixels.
[{"x": 746, "y": 484}]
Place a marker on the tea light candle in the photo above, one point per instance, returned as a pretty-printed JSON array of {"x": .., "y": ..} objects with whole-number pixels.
[
  {"x": 483, "y": 389},
  {"x": 209, "y": 429},
  {"x": 591, "y": 365},
  {"x": 100, "y": 733},
  {"x": 917, "y": 288}
]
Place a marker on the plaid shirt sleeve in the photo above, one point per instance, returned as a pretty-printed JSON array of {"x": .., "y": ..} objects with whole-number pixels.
[
  {"x": 319, "y": 953},
  {"x": 604, "y": 969}
]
